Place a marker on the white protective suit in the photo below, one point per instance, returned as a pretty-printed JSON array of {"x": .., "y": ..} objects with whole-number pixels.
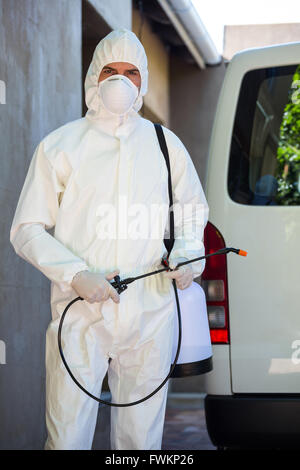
[{"x": 103, "y": 159}]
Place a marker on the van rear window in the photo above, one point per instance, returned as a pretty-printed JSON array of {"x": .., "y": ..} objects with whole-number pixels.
[{"x": 264, "y": 165}]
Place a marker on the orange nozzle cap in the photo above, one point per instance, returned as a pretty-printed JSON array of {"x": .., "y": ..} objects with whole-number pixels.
[{"x": 243, "y": 253}]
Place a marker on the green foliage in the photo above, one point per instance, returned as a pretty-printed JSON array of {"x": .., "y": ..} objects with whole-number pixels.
[{"x": 288, "y": 153}]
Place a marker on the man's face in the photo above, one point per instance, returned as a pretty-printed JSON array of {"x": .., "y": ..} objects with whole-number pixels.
[{"x": 121, "y": 68}]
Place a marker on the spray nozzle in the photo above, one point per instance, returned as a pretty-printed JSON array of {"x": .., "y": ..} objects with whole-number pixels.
[
  {"x": 238, "y": 252},
  {"x": 242, "y": 253}
]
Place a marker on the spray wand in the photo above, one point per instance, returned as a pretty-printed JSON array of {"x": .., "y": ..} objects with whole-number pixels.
[{"x": 120, "y": 286}]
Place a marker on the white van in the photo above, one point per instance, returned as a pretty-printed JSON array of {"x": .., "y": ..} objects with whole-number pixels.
[{"x": 253, "y": 191}]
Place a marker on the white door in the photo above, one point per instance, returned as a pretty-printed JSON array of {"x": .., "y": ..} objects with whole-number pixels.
[{"x": 253, "y": 190}]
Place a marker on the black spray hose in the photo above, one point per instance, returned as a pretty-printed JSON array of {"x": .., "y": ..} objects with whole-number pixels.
[
  {"x": 104, "y": 402},
  {"x": 121, "y": 286}
]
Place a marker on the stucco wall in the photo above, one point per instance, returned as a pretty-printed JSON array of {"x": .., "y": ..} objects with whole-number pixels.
[
  {"x": 156, "y": 100},
  {"x": 193, "y": 99}
]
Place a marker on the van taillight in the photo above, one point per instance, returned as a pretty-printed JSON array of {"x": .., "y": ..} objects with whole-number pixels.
[{"x": 214, "y": 282}]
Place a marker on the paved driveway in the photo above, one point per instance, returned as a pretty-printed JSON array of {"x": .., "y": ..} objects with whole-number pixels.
[{"x": 185, "y": 426}]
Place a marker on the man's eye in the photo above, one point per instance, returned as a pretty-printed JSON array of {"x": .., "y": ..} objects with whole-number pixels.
[{"x": 133, "y": 72}]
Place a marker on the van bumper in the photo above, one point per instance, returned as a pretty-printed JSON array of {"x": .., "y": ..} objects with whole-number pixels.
[{"x": 260, "y": 421}]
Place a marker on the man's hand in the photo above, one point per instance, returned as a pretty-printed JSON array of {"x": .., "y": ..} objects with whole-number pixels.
[
  {"x": 183, "y": 275},
  {"x": 94, "y": 287}
]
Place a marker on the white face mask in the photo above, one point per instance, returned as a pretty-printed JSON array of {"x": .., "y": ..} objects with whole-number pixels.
[{"x": 118, "y": 94}]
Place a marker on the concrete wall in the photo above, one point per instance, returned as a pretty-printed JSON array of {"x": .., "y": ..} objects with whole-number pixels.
[
  {"x": 116, "y": 13},
  {"x": 40, "y": 63},
  {"x": 239, "y": 37}
]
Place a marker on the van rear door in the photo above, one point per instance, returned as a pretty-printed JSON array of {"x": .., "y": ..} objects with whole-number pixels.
[{"x": 253, "y": 190}]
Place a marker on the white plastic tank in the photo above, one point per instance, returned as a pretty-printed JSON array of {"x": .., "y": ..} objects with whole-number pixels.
[{"x": 195, "y": 356}]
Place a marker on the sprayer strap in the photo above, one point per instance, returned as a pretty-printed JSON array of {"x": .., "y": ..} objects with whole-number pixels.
[{"x": 169, "y": 242}]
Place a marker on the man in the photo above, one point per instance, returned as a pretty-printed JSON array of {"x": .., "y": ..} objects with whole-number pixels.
[{"x": 87, "y": 179}]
